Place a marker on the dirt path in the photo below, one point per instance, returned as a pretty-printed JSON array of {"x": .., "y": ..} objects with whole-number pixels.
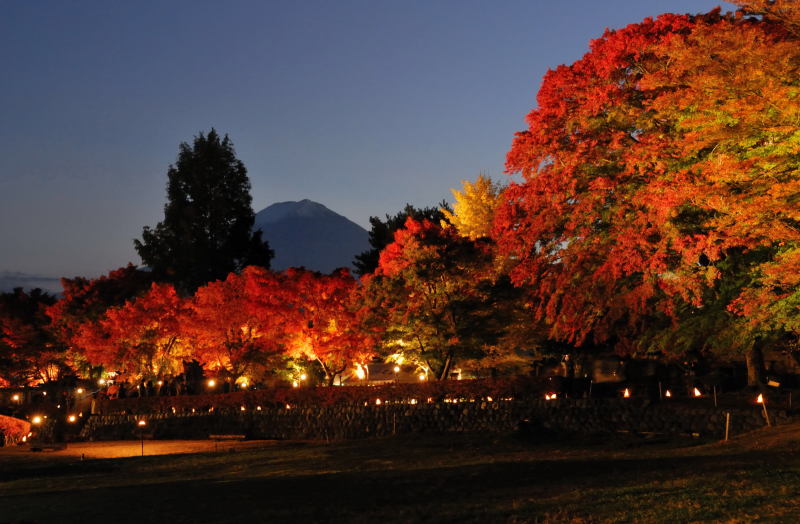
[{"x": 126, "y": 448}]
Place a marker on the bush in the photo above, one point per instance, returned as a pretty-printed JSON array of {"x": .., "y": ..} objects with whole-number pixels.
[
  {"x": 12, "y": 430},
  {"x": 509, "y": 387}
]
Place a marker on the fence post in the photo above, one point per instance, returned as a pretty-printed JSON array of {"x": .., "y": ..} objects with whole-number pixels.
[{"x": 727, "y": 424}]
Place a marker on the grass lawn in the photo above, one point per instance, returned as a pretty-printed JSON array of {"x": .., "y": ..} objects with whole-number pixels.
[{"x": 443, "y": 478}]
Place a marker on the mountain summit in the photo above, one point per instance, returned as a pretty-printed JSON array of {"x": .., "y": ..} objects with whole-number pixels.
[{"x": 308, "y": 234}]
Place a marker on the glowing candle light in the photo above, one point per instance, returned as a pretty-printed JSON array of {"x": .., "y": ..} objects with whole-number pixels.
[
  {"x": 626, "y": 393},
  {"x": 760, "y": 399},
  {"x": 668, "y": 394},
  {"x": 697, "y": 393}
]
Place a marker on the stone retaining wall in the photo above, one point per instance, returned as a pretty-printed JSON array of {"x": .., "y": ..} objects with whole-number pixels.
[{"x": 349, "y": 421}]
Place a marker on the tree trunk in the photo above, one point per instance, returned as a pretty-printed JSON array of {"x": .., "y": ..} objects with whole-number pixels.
[
  {"x": 754, "y": 358},
  {"x": 446, "y": 368}
]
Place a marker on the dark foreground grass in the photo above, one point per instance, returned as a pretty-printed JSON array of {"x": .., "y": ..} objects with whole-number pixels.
[{"x": 447, "y": 478}]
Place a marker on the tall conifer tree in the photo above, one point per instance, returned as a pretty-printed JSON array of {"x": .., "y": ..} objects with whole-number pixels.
[{"x": 208, "y": 219}]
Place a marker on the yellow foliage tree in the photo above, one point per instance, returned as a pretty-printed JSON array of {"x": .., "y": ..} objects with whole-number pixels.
[{"x": 474, "y": 207}]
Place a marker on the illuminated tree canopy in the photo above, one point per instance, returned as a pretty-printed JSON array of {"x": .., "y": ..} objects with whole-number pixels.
[
  {"x": 474, "y": 208},
  {"x": 664, "y": 153},
  {"x": 652, "y": 207}
]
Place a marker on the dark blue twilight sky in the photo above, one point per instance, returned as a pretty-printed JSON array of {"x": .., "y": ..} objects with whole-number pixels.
[{"x": 360, "y": 105}]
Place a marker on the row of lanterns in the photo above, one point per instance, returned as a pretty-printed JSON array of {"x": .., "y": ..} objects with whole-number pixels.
[{"x": 626, "y": 393}]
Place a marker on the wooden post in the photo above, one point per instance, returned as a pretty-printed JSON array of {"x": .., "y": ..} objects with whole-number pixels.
[
  {"x": 660, "y": 396},
  {"x": 590, "y": 388},
  {"x": 715, "y": 396},
  {"x": 727, "y": 424},
  {"x": 766, "y": 414},
  {"x": 790, "y": 401}
]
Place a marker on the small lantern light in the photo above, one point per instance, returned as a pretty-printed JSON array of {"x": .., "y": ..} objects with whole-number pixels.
[
  {"x": 142, "y": 423},
  {"x": 377, "y": 402},
  {"x": 79, "y": 391},
  {"x": 15, "y": 397},
  {"x": 72, "y": 418},
  {"x": 397, "y": 369},
  {"x": 626, "y": 393},
  {"x": 697, "y": 393},
  {"x": 36, "y": 420},
  {"x": 212, "y": 382},
  {"x": 760, "y": 399}
]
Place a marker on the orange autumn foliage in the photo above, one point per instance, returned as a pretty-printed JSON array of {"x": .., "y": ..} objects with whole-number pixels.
[
  {"x": 325, "y": 320},
  {"x": 140, "y": 338},
  {"x": 667, "y": 149},
  {"x": 224, "y": 333}
]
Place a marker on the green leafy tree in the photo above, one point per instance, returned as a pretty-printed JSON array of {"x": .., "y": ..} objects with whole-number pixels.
[
  {"x": 443, "y": 305},
  {"x": 208, "y": 219},
  {"x": 382, "y": 232}
]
